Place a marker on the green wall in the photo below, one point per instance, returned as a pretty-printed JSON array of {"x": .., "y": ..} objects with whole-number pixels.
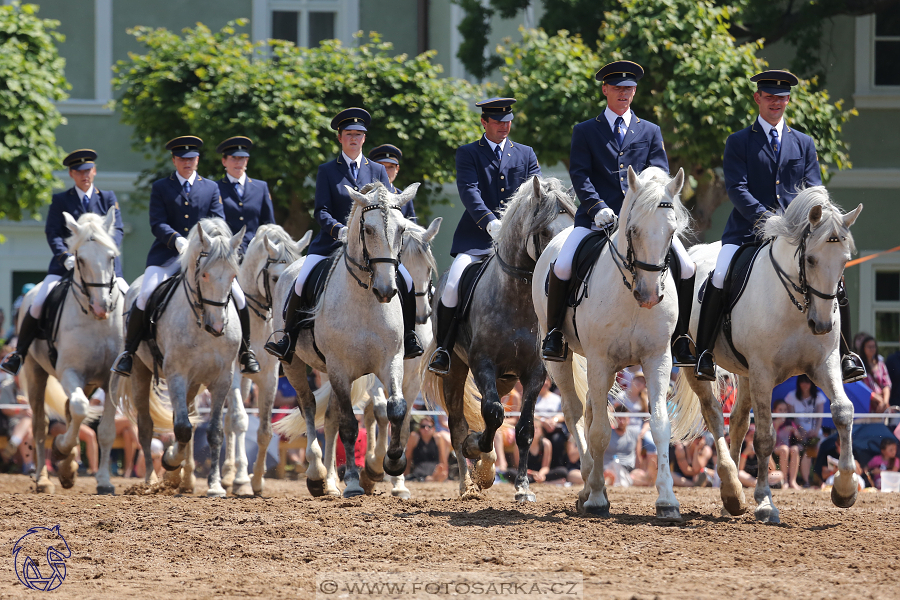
[
  {"x": 395, "y": 20},
  {"x": 77, "y": 24}
]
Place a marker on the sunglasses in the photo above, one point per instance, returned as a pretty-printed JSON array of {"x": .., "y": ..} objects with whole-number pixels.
[{"x": 426, "y": 426}]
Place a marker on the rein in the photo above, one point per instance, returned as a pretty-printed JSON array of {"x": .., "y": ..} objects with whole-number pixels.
[
  {"x": 802, "y": 288},
  {"x": 198, "y": 307},
  {"x": 263, "y": 309},
  {"x": 368, "y": 261},
  {"x": 629, "y": 262}
]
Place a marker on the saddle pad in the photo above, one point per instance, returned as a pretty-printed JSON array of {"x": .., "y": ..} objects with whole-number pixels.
[
  {"x": 157, "y": 303},
  {"x": 739, "y": 272},
  {"x": 312, "y": 289},
  {"x": 52, "y": 308},
  {"x": 468, "y": 281}
]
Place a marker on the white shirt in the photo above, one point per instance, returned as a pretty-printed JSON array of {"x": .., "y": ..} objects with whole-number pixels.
[
  {"x": 767, "y": 127},
  {"x": 358, "y": 160},
  {"x": 242, "y": 180},
  {"x": 190, "y": 180},
  {"x": 494, "y": 146},
  {"x": 611, "y": 118},
  {"x": 82, "y": 194}
]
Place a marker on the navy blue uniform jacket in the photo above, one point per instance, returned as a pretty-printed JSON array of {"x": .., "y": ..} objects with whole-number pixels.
[
  {"x": 253, "y": 210},
  {"x": 599, "y": 167},
  {"x": 57, "y": 232},
  {"x": 759, "y": 183},
  {"x": 333, "y": 202},
  {"x": 484, "y": 185},
  {"x": 172, "y": 214}
]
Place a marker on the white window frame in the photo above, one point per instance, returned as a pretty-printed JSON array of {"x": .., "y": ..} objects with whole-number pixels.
[
  {"x": 867, "y": 303},
  {"x": 346, "y": 21},
  {"x": 868, "y": 95}
]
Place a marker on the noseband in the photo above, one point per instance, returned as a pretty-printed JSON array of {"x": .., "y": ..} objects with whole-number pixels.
[
  {"x": 803, "y": 288},
  {"x": 368, "y": 261},
  {"x": 198, "y": 307},
  {"x": 630, "y": 263}
]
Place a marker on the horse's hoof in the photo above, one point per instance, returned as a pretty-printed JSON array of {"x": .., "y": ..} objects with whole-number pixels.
[
  {"x": 597, "y": 511},
  {"x": 371, "y": 474},
  {"x": 726, "y": 514},
  {"x": 106, "y": 490},
  {"x": 470, "y": 446},
  {"x": 243, "y": 490},
  {"x": 353, "y": 490},
  {"x": 366, "y": 482},
  {"x": 402, "y": 494},
  {"x": 316, "y": 487},
  {"x": 216, "y": 492},
  {"x": 523, "y": 497},
  {"x": 668, "y": 514},
  {"x": 395, "y": 468},
  {"x": 56, "y": 454},
  {"x": 45, "y": 488},
  {"x": 579, "y": 506},
  {"x": 733, "y": 506},
  {"x": 767, "y": 514},
  {"x": 169, "y": 467},
  {"x": 67, "y": 482},
  {"x": 843, "y": 501}
]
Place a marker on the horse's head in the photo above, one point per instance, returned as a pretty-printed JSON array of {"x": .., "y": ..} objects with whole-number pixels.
[
  {"x": 652, "y": 214},
  {"x": 534, "y": 214},
  {"x": 375, "y": 236},
  {"x": 268, "y": 255},
  {"x": 210, "y": 264},
  {"x": 419, "y": 261},
  {"x": 817, "y": 235},
  {"x": 94, "y": 246}
]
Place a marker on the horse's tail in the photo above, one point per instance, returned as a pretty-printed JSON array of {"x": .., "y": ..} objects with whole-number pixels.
[
  {"x": 294, "y": 425},
  {"x": 55, "y": 398},
  {"x": 433, "y": 392},
  {"x": 160, "y": 406},
  {"x": 579, "y": 373},
  {"x": 684, "y": 408}
]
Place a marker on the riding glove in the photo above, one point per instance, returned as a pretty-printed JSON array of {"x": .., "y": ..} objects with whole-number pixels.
[
  {"x": 493, "y": 228},
  {"x": 604, "y": 217},
  {"x": 69, "y": 263},
  {"x": 180, "y": 244}
]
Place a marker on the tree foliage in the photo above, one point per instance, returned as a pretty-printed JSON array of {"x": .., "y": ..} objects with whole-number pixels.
[
  {"x": 696, "y": 87},
  {"x": 219, "y": 84},
  {"x": 31, "y": 80}
]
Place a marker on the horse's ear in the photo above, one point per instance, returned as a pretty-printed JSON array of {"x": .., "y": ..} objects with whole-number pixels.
[
  {"x": 815, "y": 215},
  {"x": 360, "y": 199},
  {"x": 71, "y": 223},
  {"x": 271, "y": 247},
  {"x": 432, "y": 230},
  {"x": 674, "y": 187},
  {"x": 632, "y": 179},
  {"x": 109, "y": 221},
  {"x": 304, "y": 241},
  {"x": 238, "y": 237},
  {"x": 537, "y": 187},
  {"x": 409, "y": 193},
  {"x": 850, "y": 217},
  {"x": 201, "y": 235}
]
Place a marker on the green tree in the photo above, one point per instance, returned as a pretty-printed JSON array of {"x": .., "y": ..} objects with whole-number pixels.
[
  {"x": 220, "y": 84},
  {"x": 696, "y": 88},
  {"x": 31, "y": 80}
]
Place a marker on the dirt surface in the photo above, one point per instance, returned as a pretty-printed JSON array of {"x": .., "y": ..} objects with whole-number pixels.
[{"x": 181, "y": 547}]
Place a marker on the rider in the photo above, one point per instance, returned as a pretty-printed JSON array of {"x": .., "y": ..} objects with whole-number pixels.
[
  {"x": 80, "y": 199},
  {"x": 247, "y": 202},
  {"x": 766, "y": 165},
  {"x": 488, "y": 172},
  {"x": 389, "y": 157},
  {"x": 177, "y": 203},
  {"x": 333, "y": 203},
  {"x": 602, "y": 150}
]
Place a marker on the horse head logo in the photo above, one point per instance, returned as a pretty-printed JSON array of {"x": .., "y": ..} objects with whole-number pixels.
[{"x": 37, "y": 542}]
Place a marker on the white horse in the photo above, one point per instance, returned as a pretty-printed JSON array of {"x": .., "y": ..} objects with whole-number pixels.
[
  {"x": 800, "y": 268},
  {"x": 200, "y": 305},
  {"x": 90, "y": 336},
  {"x": 268, "y": 255},
  {"x": 358, "y": 330},
  {"x": 621, "y": 323},
  {"x": 369, "y": 392}
]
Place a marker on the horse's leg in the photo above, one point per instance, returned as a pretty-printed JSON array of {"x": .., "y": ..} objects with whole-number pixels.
[
  {"x": 739, "y": 421},
  {"x": 532, "y": 379},
  {"x": 573, "y": 410},
  {"x": 410, "y": 390},
  {"x": 315, "y": 472},
  {"x": 267, "y": 383},
  {"x": 376, "y": 440},
  {"x": 480, "y": 445},
  {"x": 37, "y": 384},
  {"x": 599, "y": 433},
  {"x": 846, "y": 481},
  {"x": 732, "y": 491},
  {"x": 763, "y": 442},
  {"x": 239, "y": 423},
  {"x": 178, "y": 396},
  {"x": 63, "y": 448},
  {"x": 188, "y": 480},
  {"x": 141, "y": 381},
  {"x": 332, "y": 426},
  {"x": 340, "y": 413},
  {"x": 453, "y": 387},
  {"x": 397, "y": 409},
  {"x": 219, "y": 390},
  {"x": 106, "y": 436},
  {"x": 657, "y": 370},
  {"x": 228, "y": 467}
]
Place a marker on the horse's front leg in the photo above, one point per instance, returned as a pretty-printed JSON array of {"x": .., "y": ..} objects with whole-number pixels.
[
  {"x": 846, "y": 481},
  {"x": 37, "y": 384},
  {"x": 63, "y": 448},
  {"x": 599, "y": 433},
  {"x": 656, "y": 371},
  {"x": 763, "y": 442},
  {"x": 106, "y": 436},
  {"x": 532, "y": 379},
  {"x": 178, "y": 394},
  {"x": 228, "y": 468},
  {"x": 240, "y": 422},
  {"x": 340, "y": 416},
  {"x": 397, "y": 408},
  {"x": 315, "y": 472},
  {"x": 267, "y": 385},
  {"x": 219, "y": 390},
  {"x": 453, "y": 385}
]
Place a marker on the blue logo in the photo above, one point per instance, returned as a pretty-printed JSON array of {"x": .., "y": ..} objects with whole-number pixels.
[{"x": 40, "y": 541}]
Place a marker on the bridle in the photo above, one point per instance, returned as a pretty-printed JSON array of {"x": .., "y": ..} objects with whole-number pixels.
[
  {"x": 803, "y": 288},
  {"x": 629, "y": 262},
  {"x": 368, "y": 261},
  {"x": 263, "y": 309},
  {"x": 198, "y": 306},
  {"x": 83, "y": 286},
  {"x": 526, "y": 275}
]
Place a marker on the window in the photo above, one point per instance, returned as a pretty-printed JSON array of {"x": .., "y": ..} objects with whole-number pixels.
[
  {"x": 887, "y": 47},
  {"x": 877, "y": 62},
  {"x": 305, "y": 22},
  {"x": 879, "y": 308}
]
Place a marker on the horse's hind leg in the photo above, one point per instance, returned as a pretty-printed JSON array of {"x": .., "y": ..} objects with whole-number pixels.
[
  {"x": 63, "y": 448},
  {"x": 601, "y": 379},
  {"x": 239, "y": 424},
  {"x": 219, "y": 390},
  {"x": 267, "y": 382},
  {"x": 532, "y": 379},
  {"x": 376, "y": 440},
  {"x": 485, "y": 376},
  {"x": 106, "y": 435},
  {"x": 657, "y": 372},
  {"x": 37, "y": 384},
  {"x": 763, "y": 443},
  {"x": 453, "y": 386},
  {"x": 846, "y": 481},
  {"x": 141, "y": 381},
  {"x": 228, "y": 468},
  {"x": 574, "y": 412}
]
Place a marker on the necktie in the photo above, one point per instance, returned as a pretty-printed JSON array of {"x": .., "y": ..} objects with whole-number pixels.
[
  {"x": 776, "y": 146},
  {"x": 354, "y": 168},
  {"x": 499, "y": 153},
  {"x": 186, "y": 186},
  {"x": 239, "y": 188},
  {"x": 86, "y": 203},
  {"x": 620, "y": 130}
]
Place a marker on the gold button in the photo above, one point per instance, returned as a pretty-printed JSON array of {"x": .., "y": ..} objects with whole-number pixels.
[
  {"x": 185, "y": 228},
  {"x": 621, "y": 153},
  {"x": 777, "y": 182},
  {"x": 186, "y": 217},
  {"x": 240, "y": 203},
  {"x": 502, "y": 189},
  {"x": 185, "y": 203},
  {"x": 501, "y": 177},
  {"x": 621, "y": 166},
  {"x": 242, "y": 218},
  {"x": 778, "y": 195},
  {"x": 621, "y": 179}
]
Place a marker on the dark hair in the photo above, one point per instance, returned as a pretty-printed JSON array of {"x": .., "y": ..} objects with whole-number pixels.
[
  {"x": 885, "y": 442},
  {"x": 813, "y": 390},
  {"x": 862, "y": 351}
]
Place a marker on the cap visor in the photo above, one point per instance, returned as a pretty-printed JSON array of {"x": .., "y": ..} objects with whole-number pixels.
[
  {"x": 774, "y": 91},
  {"x": 354, "y": 127},
  {"x": 393, "y": 161},
  {"x": 621, "y": 82},
  {"x": 240, "y": 153},
  {"x": 501, "y": 118},
  {"x": 82, "y": 167},
  {"x": 189, "y": 154}
]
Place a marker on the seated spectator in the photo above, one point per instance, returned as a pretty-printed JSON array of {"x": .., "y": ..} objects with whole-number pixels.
[
  {"x": 548, "y": 403},
  {"x": 788, "y": 445},
  {"x": 620, "y": 458},
  {"x": 18, "y": 423},
  {"x": 877, "y": 379},
  {"x": 886, "y": 461},
  {"x": 805, "y": 398},
  {"x": 573, "y": 465},
  {"x": 689, "y": 463},
  {"x": 748, "y": 469},
  {"x": 539, "y": 454},
  {"x": 428, "y": 454},
  {"x": 635, "y": 399},
  {"x": 892, "y": 364},
  {"x": 126, "y": 430},
  {"x": 505, "y": 438}
]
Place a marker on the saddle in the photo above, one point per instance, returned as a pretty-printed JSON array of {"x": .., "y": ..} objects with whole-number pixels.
[
  {"x": 156, "y": 305},
  {"x": 309, "y": 297},
  {"x": 736, "y": 279},
  {"x": 51, "y": 313},
  {"x": 468, "y": 281}
]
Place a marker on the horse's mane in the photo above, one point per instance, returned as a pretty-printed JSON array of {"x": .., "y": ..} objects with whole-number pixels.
[
  {"x": 518, "y": 217},
  {"x": 91, "y": 229},
  {"x": 647, "y": 200},
  {"x": 415, "y": 246},
  {"x": 218, "y": 235},
  {"x": 793, "y": 225},
  {"x": 276, "y": 235}
]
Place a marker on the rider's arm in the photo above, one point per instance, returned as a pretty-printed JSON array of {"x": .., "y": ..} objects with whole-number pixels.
[
  {"x": 534, "y": 167},
  {"x": 56, "y": 231},
  {"x": 159, "y": 218},
  {"x": 735, "y": 168},
  {"x": 120, "y": 229},
  {"x": 469, "y": 192},
  {"x": 812, "y": 174},
  {"x": 580, "y": 172},
  {"x": 322, "y": 213},
  {"x": 267, "y": 210},
  {"x": 657, "y": 156}
]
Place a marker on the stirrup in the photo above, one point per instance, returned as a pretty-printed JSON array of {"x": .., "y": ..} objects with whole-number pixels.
[
  {"x": 280, "y": 348},
  {"x": 852, "y": 368},
  {"x": 555, "y": 336},
  {"x": 124, "y": 364},
  {"x": 688, "y": 360},
  {"x": 438, "y": 366},
  {"x": 701, "y": 374}
]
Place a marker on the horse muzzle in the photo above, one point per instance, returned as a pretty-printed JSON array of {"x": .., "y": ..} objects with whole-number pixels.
[
  {"x": 819, "y": 327},
  {"x": 647, "y": 300},
  {"x": 215, "y": 329},
  {"x": 101, "y": 313},
  {"x": 384, "y": 296}
]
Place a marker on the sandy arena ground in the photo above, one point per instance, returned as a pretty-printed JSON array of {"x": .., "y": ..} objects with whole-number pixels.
[{"x": 272, "y": 547}]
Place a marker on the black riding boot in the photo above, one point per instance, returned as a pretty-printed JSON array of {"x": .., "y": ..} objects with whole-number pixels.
[
  {"x": 249, "y": 364},
  {"x": 133, "y": 336},
  {"x": 852, "y": 367},
  {"x": 446, "y": 335},
  {"x": 710, "y": 313},
  {"x": 412, "y": 347},
  {"x": 681, "y": 339},
  {"x": 554, "y": 347},
  {"x": 27, "y": 332},
  {"x": 284, "y": 348}
]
